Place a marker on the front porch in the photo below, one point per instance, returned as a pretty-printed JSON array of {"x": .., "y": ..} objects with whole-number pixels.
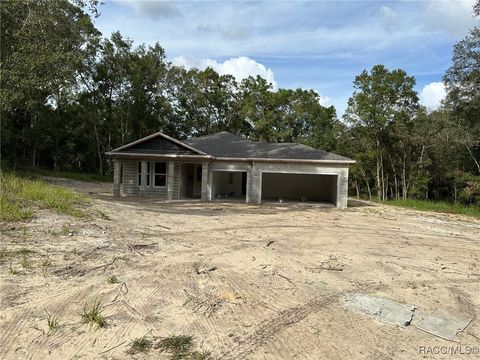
[{"x": 162, "y": 178}]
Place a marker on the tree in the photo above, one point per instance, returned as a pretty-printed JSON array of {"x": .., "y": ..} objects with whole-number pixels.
[
  {"x": 43, "y": 46},
  {"x": 381, "y": 100},
  {"x": 462, "y": 81}
]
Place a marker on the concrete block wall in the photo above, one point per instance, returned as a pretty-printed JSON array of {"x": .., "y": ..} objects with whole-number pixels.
[
  {"x": 254, "y": 178},
  {"x": 256, "y": 169}
]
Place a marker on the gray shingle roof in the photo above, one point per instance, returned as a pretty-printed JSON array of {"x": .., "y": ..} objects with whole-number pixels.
[{"x": 225, "y": 144}]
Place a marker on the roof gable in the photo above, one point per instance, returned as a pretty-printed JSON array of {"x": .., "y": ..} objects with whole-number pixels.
[{"x": 158, "y": 143}]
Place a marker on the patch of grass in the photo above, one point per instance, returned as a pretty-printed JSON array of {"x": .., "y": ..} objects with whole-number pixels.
[
  {"x": 196, "y": 267},
  {"x": 45, "y": 265},
  {"x": 65, "y": 230},
  {"x": 178, "y": 345},
  {"x": 24, "y": 251},
  {"x": 19, "y": 194},
  {"x": 53, "y": 323},
  {"x": 53, "y": 233},
  {"x": 112, "y": 279},
  {"x": 26, "y": 263},
  {"x": 12, "y": 209},
  {"x": 103, "y": 215},
  {"x": 12, "y": 270},
  {"x": 140, "y": 345},
  {"x": 3, "y": 255},
  {"x": 92, "y": 314},
  {"x": 437, "y": 206},
  {"x": 67, "y": 175},
  {"x": 201, "y": 355}
]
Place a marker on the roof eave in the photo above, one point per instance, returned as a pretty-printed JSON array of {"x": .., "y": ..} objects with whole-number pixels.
[
  {"x": 156, "y": 156},
  {"x": 346, "y": 161}
]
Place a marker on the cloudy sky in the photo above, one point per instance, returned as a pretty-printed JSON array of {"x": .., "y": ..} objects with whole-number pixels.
[{"x": 317, "y": 45}]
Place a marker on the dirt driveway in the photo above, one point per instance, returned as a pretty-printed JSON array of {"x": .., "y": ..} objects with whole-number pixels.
[{"x": 247, "y": 282}]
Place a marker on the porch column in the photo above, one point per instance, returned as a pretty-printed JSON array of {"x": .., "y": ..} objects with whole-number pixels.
[
  {"x": 116, "y": 177},
  {"x": 206, "y": 182},
  {"x": 143, "y": 179},
  {"x": 170, "y": 180},
  {"x": 342, "y": 188},
  {"x": 255, "y": 185},
  {"x": 248, "y": 195}
]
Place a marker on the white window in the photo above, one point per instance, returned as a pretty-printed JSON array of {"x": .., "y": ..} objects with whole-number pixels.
[
  {"x": 148, "y": 174},
  {"x": 139, "y": 174},
  {"x": 160, "y": 174}
]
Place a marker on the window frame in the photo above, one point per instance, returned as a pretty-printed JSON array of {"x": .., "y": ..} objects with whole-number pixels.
[
  {"x": 139, "y": 173},
  {"x": 154, "y": 174},
  {"x": 148, "y": 174}
]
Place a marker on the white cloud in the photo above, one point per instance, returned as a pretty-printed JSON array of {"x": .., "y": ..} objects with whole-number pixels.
[
  {"x": 388, "y": 17},
  {"x": 324, "y": 100},
  {"x": 432, "y": 94},
  {"x": 240, "y": 67},
  {"x": 453, "y": 16},
  {"x": 153, "y": 9}
]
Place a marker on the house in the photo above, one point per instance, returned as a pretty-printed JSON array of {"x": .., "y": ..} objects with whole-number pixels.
[{"x": 224, "y": 165}]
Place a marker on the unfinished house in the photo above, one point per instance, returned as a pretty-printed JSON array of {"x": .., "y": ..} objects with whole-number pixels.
[{"x": 227, "y": 166}]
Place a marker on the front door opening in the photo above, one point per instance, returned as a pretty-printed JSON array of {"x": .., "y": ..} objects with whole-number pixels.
[{"x": 190, "y": 181}]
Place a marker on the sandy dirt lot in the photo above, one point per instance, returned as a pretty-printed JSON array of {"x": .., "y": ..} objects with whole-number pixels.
[{"x": 247, "y": 282}]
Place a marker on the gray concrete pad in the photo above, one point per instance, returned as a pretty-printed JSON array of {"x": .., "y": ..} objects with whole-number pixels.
[
  {"x": 443, "y": 324},
  {"x": 384, "y": 310}
]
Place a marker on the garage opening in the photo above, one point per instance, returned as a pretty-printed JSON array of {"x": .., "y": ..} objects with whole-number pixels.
[
  {"x": 229, "y": 185},
  {"x": 299, "y": 187}
]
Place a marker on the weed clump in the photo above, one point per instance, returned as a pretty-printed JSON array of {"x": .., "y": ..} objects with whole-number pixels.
[
  {"x": 112, "y": 280},
  {"x": 53, "y": 323},
  {"x": 92, "y": 315},
  {"x": 140, "y": 345}
]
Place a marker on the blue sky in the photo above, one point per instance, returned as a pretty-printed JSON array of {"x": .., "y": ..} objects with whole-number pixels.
[{"x": 317, "y": 45}]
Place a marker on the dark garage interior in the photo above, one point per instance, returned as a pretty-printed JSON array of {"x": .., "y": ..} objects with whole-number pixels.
[{"x": 299, "y": 187}]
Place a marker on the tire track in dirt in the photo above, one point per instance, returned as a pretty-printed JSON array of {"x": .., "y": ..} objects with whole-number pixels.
[
  {"x": 11, "y": 332},
  {"x": 269, "y": 328},
  {"x": 355, "y": 230}
]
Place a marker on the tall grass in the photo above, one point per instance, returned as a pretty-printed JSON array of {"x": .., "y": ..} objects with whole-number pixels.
[
  {"x": 437, "y": 206},
  {"x": 64, "y": 174},
  {"x": 19, "y": 196}
]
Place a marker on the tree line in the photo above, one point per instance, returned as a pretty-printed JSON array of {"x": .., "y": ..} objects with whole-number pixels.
[{"x": 68, "y": 95}]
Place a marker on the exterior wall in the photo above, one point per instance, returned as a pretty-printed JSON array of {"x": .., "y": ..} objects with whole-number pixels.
[
  {"x": 254, "y": 169},
  {"x": 129, "y": 182},
  {"x": 340, "y": 170}
]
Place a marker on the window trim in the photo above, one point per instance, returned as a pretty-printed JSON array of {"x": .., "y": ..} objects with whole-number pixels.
[
  {"x": 139, "y": 173},
  {"x": 155, "y": 173},
  {"x": 148, "y": 183}
]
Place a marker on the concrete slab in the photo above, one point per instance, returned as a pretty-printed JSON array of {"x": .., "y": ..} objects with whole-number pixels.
[
  {"x": 384, "y": 310},
  {"x": 443, "y": 324}
]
